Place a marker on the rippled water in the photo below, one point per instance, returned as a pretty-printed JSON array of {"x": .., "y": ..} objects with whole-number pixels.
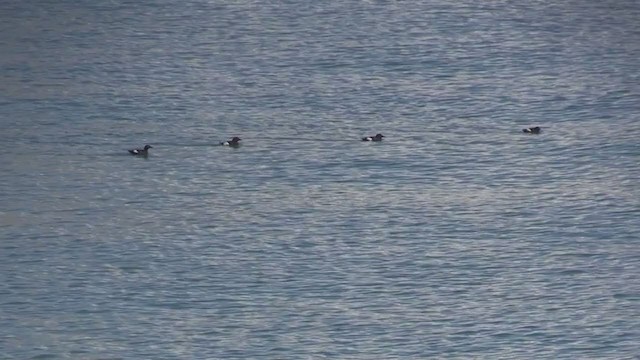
[{"x": 458, "y": 236}]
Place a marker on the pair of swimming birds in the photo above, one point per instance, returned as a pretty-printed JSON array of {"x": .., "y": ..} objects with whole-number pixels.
[
  {"x": 378, "y": 137},
  {"x": 234, "y": 142}
]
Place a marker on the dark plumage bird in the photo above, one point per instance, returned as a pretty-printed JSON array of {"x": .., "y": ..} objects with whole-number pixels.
[
  {"x": 532, "y": 130},
  {"x": 235, "y": 141},
  {"x": 141, "y": 152},
  {"x": 378, "y": 137}
]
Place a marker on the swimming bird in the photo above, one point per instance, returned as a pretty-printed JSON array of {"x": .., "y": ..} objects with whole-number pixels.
[
  {"x": 235, "y": 141},
  {"x": 378, "y": 137},
  {"x": 532, "y": 130},
  {"x": 141, "y": 152}
]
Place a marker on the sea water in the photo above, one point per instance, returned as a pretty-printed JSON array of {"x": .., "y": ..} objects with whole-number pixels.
[{"x": 457, "y": 236}]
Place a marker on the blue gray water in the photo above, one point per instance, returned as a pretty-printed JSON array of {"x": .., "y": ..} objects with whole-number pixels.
[{"x": 458, "y": 236}]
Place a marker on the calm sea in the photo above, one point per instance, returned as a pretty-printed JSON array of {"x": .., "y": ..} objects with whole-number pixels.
[{"x": 457, "y": 237}]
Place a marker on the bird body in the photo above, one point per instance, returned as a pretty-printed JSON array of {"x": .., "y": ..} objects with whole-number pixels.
[
  {"x": 532, "y": 130},
  {"x": 377, "y": 137},
  {"x": 141, "y": 152},
  {"x": 235, "y": 141}
]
